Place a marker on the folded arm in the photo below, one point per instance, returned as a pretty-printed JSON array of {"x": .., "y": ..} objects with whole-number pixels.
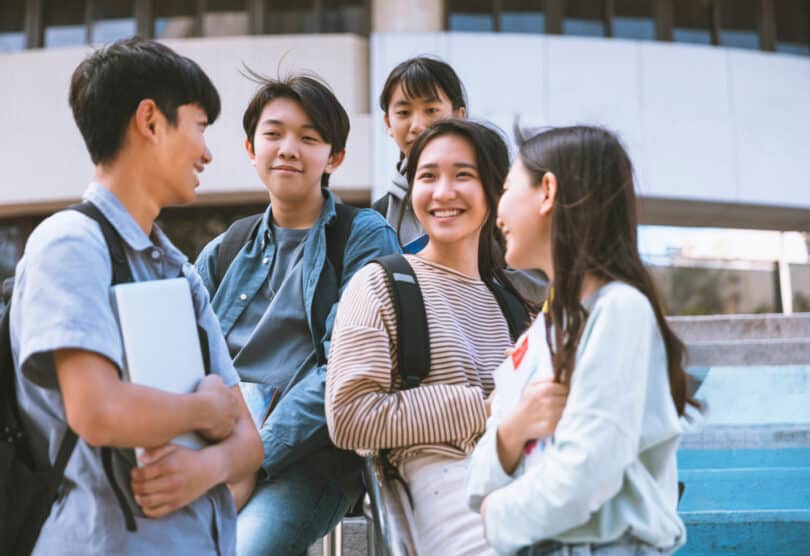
[
  {"x": 364, "y": 411},
  {"x": 173, "y": 477},
  {"x": 297, "y": 426},
  {"x": 105, "y": 411}
]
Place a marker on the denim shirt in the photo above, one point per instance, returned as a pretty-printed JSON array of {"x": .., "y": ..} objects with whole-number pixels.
[{"x": 297, "y": 426}]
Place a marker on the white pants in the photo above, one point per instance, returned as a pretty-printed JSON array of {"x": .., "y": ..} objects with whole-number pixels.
[{"x": 440, "y": 523}]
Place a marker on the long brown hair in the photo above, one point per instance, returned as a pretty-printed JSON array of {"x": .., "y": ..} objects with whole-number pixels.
[
  {"x": 593, "y": 231},
  {"x": 492, "y": 159}
]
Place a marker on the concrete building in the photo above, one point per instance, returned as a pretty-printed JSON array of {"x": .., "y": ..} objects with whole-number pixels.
[{"x": 710, "y": 96}]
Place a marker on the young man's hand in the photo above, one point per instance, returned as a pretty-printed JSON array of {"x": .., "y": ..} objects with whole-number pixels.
[
  {"x": 222, "y": 408},
  {"x": 172, "y": 477}
]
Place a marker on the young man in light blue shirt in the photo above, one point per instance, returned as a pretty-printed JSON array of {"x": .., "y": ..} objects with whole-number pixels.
[{"x": 142, "y": 110}]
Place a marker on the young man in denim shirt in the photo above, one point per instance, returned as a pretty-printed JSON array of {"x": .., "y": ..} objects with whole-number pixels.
[
  {"x": 142, "y": 110},
  {"x": 267, "y": 303}
]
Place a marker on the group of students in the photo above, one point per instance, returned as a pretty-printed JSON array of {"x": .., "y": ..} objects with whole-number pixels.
[{"x": 321, "y": 378}]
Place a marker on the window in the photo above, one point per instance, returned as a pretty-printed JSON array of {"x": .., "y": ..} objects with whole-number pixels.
[
  {"x": 291, "y": 16},
  {"x": 792, "y": 26},
  {"x": 692, "y": 21},
  {"x": 64, "y": 23},
  {"x": 345, "y": 16},
  {"x": 800, "y": 280},
  {"x": 12, "y": 26},
  {"x": 470, "y": 15},
  {"x": 522, "y": 16},
  {"x": 191, "y": 228},
  {"x": 9, "y": 245},
  {"x": 225, "y": 18},
  {"x": 738, "y": 23},
  {"x": 585, "y": 18},
  {"x": 175, "y": 19},
  {"x": 112, "y": 20},
  {"x": 633, "y": 19}
]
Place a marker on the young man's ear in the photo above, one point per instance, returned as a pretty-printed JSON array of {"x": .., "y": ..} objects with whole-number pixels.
[
  {"x": 250, "y": 152},
  {"x": 461, "y": 113},
  {"x": 335, "y": 160},
  {"x": 147, "y": 118}
]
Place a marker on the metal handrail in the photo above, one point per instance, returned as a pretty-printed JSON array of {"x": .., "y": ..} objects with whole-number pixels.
[
  {"x": 333, "y": 541},
  {"x": 386, "y": 539}
]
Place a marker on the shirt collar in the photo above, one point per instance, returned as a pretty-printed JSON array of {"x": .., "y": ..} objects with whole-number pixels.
[
  {"x": 328, "y": 213},
  {"x": 123, "y": 222}
]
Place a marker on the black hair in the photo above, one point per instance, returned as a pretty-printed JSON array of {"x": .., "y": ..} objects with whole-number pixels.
[
  {"x": 593, "y": 231},
  {"x": 492, "y": 160},
  {"x": 107, "y": 86},
  {"x": 422, "y": 77},
  {"x": 316, "y": 98}
]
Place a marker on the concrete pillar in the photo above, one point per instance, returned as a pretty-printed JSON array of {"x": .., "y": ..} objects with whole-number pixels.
[
  {"x": 407, "y": 16},
  {"x": 785, "y": 284}
]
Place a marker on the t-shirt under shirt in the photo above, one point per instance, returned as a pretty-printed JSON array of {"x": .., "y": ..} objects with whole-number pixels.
[{"x": 271, "y": 340}]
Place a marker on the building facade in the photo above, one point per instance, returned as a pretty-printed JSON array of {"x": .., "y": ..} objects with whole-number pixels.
[{"x": 712, "y": 97}]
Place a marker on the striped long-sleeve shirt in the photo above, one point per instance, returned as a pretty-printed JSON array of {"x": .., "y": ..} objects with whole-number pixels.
[{"x": 366, "y": 409}]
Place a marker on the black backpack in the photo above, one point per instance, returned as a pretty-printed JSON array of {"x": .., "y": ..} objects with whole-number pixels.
[
  {"x": 413, "y": 336},
  {"x": 413, "y": 353},
  {"x": 244, "y": 230},
  {"x": 29, "y": 492}
]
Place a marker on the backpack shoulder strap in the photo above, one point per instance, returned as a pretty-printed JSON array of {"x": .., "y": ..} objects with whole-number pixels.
[
  {"x": 337, "y": 235},
  {"x": 413, "y": 336},
  {"x": 236, "y": 236},
  {"x": 121, "y": 273},
  {"x": 515, "y": 312}
]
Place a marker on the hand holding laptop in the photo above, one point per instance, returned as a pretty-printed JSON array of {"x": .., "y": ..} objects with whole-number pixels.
[{"x": 223, "y": 418}]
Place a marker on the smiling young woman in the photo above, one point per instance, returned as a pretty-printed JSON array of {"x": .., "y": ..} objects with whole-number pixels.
[{"x": 455, "y": 182}]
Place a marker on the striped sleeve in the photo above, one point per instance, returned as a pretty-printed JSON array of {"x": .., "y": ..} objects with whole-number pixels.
[{"x": 365, "y": 410}]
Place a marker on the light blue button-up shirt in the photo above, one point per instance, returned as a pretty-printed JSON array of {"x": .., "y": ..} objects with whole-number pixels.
[{"x": 60, "y": 301}]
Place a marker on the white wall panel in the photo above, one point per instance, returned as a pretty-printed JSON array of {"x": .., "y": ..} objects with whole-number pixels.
[
  {"x": 687, "y": 122},
  {"x": 772, "y": 124},
  {"x": 43, "y": 156},
  {"x": 702, "y": 124}
]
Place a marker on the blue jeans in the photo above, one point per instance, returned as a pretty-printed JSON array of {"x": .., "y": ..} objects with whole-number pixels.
[{"x": 288, "y": 513}]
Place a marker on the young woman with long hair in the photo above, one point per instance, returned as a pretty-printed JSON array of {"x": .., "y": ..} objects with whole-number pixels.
[
  {"x": 609, "y": 477},
  {"x": 455, "y": 181}
]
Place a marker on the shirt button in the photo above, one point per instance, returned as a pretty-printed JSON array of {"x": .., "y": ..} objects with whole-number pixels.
[
  {"x": 243, "y": 296},
  {"x": 265, "y": 260},
  {"x": 155, "y": 254}
]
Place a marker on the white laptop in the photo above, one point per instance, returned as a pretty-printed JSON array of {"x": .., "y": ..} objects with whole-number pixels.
[{"x": 161, "y": 346}]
